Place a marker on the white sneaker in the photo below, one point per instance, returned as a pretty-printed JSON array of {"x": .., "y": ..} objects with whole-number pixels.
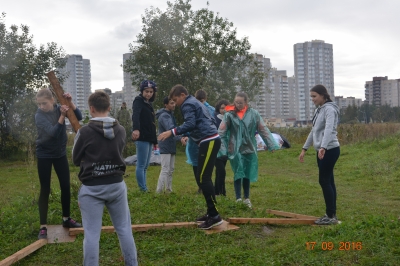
[
  {"x": 247, "y": 202},
  {"x": 239, "y": 200}
]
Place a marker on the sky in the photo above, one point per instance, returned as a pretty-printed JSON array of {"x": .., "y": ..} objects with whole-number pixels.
[{"x": 364, "y": 33}]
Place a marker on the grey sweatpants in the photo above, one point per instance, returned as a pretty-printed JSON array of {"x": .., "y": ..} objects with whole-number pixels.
[
  {"x": 92, "y": 200},
  {"x": 167, "y": 168}
]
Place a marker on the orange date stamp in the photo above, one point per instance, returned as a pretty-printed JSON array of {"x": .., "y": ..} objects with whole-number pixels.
[{"x": 342, "y": 246}]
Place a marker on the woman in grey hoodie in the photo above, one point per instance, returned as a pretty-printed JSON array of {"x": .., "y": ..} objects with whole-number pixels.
[{"x": 323, "y": 136}]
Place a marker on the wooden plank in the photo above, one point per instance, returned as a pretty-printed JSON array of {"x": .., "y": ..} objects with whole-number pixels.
[
  {"x": 23, "y": 252},
  {"x": 225, "y": 226},
  {"x": 291, "y": 215},
  {"x": 55, "y": 84},
  {"x": 270, "y": 221},
  {"x": 139, "y": 227},
  {"x": 58, "y": 234}
]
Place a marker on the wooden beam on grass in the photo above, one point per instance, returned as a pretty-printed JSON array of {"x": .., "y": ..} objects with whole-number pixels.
[
  {"x": 291, "y": 215},
  {"x": 138, "y": 227},
  {"x": 55, "y": 84},
  {"x": 23, "y": 252},
  {"x": 270, "y": 221}
]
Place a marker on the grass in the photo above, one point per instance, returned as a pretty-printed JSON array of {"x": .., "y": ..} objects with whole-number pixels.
[{"x": 368, "y": 184}]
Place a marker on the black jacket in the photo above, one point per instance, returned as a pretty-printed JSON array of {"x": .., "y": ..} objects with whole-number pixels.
[
  {"x": 52, "y": 136},
  {"x": 143, "y": 119},
  {"x": 98, "y": 151}
]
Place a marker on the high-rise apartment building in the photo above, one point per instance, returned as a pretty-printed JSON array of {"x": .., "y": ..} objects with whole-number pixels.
[
  {"x": 283, "y": 95},
  {"x": 78, "y": 81},
  {"x": 348, "y": 101},
  {"x": 313, "y": 65},
  {"x": 277, "y": 95},
  {"x": 130, "y": 91},
  {"x": 383, "y": 91},
  {"x": 263, "y": 100}
]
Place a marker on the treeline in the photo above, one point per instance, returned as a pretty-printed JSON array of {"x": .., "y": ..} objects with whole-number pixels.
[{"x": 368, "y": 113}]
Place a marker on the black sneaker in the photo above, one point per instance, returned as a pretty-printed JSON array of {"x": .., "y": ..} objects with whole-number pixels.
[
  {"x": 42, "y": 233},
  {"x": 71, "y": 223},
  {"x": 326, "y": 220},
  {"x": 210, "y": 222},
  {"x": 202, "y": 218}
]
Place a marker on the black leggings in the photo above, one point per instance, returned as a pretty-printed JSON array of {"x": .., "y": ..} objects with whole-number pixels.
[
  {"x": 208, "y": 151},
  {"x": 326, "y": 179},
  {"x": 62, "y": 170},
  {"x": 220, "y": 174}
]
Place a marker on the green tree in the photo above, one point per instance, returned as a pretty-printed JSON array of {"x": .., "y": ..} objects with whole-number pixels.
[
  {"x": 198, "y": 49},
  {"x": 23, "y": 68}
]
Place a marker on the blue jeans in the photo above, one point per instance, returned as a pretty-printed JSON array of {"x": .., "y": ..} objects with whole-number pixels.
[
  {"x": 238, "y": 187},
  {"x": 143, "y": 154}
]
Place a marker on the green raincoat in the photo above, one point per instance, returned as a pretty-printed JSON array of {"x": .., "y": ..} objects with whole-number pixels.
[{"x": 239, "y": 142}]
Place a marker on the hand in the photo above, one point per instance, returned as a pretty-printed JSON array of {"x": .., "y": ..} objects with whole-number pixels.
[
  {"x": 64, "y": 109},
  {"x": 67, "y": 96},
  {"x": 321, "y": 153},
  {"x": 184, "y": 141},
  {"x": 135, "y": 134},
  {"x": 164, "y": 135},
  {"x": 301, "y": 157}
]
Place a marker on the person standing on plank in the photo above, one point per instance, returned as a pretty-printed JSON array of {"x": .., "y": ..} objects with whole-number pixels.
[
  {"x": 323, "y": 136},
  {"x": 201, "y": 125},
  {"x": 51, "y": 152}
]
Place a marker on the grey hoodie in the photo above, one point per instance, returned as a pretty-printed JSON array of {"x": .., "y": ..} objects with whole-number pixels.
[
  {"x": 166, "y": 121},
  {"x": 323, "y": 133},
  {"x": 98, "y": 151}
]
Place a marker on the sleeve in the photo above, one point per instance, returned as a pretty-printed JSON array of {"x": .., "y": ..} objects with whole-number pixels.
[
  {"x": 45, "y": 125},
  {"x": 77, "y": 151},
  {"x": 309, "y": 140},
  {"x": 328, "y": 131},
  {"x": 136, "y": 110},
  {"x": 223, "y": 133},
  {"x": 266, "y": 135},
  {"x": 78, "y": 114},
  {"x": 189, "y": 116}
]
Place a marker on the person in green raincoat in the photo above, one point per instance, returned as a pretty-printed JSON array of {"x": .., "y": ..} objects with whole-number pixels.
[{"x": 237, "y": 131}]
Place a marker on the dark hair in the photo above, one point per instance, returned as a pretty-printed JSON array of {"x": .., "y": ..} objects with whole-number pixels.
[
  {"x": 200, "y": 95},
  {"x": 219, "y": 103},
  {"x": 321, "y": 90},
  {"x": 149, "y": 84},
  {"x": 243, "y": 95},
  {"x": 100, "y": 101},
  {"x": 177, "y": 90},
  {"x": 166, "y": 100}
]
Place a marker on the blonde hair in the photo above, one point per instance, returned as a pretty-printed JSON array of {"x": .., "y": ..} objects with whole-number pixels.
[{"x": 45, "y": 93}]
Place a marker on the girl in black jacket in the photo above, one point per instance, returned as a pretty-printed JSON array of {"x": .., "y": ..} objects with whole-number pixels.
[{"x": 144, "y": 129}]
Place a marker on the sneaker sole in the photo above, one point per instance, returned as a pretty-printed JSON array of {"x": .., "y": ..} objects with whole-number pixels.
[{"x": 216, "y": 224}]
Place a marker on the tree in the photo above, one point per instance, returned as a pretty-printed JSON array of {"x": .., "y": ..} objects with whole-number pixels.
[
  {"x": 23, "y": 69},
  {"x": 198, "y": 49}
]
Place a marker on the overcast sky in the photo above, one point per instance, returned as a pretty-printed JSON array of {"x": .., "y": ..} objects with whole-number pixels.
[{"x": 365, "y": 34}]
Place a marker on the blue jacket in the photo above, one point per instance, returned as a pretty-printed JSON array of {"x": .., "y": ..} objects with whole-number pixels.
[
  {"x": 51, "y": 141},
  {"x": 198, "y": 120},
  {"x": 166, "y": 121}
]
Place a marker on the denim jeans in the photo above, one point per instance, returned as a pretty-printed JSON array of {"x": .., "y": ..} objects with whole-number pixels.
[
  {"x": 238, "y": 187},
  {"x": 143, "y": 154}
]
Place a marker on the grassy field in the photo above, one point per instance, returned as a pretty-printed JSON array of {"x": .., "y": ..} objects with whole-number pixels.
[{"x": 368, "y": 184}]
